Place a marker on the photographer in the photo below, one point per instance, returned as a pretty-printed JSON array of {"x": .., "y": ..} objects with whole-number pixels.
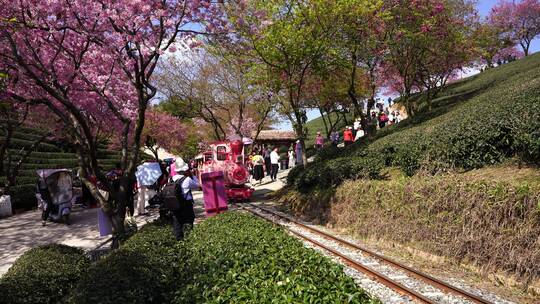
[{"x": 177, "y": 197}]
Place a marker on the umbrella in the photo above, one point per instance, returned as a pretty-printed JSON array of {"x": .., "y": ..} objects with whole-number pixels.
[{"x": 148, "y": 173}]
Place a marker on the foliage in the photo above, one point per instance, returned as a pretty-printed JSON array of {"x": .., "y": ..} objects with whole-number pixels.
[
  {"x": 287, "y": 40},
  {"x": 494, "y": 208},
  {"x": 213, "y": 266},
  {"x": 328, "y": 174},
  {"x": 428, "y": 42},
  {"x": 92, "y": 66},
  {"x": 519, "y": 21},
  {"x": 162, "y": 130},
  {"x": 476, "y": 122},
  {"x": 143, "y": 271},
  {"x": 23, "y": 193},
  {"x": 276, "y": 268},
  {"x": 43, "y": 274},
  {"x": 216, "y": 91}
]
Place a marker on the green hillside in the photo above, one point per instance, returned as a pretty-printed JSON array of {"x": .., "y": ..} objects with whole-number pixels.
[
  {"x": 478, "y": 121},
  {"x": 467, "y": 168},
  {"x": 48, "y": 155}
]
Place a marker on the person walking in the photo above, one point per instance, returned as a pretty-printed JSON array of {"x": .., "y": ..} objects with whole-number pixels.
[
  {"x": 183, "y": 182},
  {"x": 383, "y": 119},
  {"x": 356, "y": 126},
  {"x": 348, "y": 136},
  {"x": 258, "y": 170},
  {"x": 267, "y": 163},
  {"x": 291, "y": 157},
  {"x": 298, "y": 149},
  {"x": 334, "y": 137},
  {"x": 143, "y": 198},
  {"x": 274, "y": 159},
  {"x": 319, "y": 141}
]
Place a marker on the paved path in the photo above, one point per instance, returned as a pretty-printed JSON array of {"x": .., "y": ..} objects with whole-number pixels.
[{"x": 24, "y": 231}]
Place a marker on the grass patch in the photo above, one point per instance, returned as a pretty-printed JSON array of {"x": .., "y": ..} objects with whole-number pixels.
[{"x": 483, "y": 216}]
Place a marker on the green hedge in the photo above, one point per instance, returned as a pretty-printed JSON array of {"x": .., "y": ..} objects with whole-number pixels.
[
  {"x": 230, "y": 258},
  {"x": 23, "y": 135},
  {"x": 237, "y": 258},
  {"x": 21, "y": 180},
  {"x": 21, "y": 143},
  {"x": 52, "y": 155},
  {"x": 44, "y": 275},
  {"x": 61, "y": 165},
  {"x": 66, "y": 162},
  {"x": 144, "y": 270},
  {"x": 331, "y": 173},
  {"x": 23, "y": 196}
]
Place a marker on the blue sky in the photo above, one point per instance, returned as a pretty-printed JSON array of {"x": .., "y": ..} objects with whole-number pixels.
[{"x": 483, "y": 6}]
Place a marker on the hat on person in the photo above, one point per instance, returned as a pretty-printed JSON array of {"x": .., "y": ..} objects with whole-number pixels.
[{"x": 180, "y": 165}]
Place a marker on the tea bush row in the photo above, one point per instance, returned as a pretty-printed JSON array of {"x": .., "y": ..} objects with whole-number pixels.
[
  {"x": 44, "y": 274},
  {"x": 501, "y": 119},
  {"x": 237, "y": 258},
  {"x": 230, "y": 258}
]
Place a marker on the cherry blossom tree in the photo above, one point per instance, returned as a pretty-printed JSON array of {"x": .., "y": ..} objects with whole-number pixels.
[
  {"x": 520, "y": 21},
  {"x": 162, "y": 130},
  {"x": 361, "y": 43},
  {"x": 427, "y": 41},
  {"x": 491, "y": 40},
  {"x": 88, "y": 61}
]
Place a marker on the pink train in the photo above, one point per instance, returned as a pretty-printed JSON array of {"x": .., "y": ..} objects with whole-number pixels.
[{"x": 228, "y": 157}]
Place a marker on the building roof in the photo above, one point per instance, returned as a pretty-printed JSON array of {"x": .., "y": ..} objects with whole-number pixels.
[{"x": 275, "y": 135}]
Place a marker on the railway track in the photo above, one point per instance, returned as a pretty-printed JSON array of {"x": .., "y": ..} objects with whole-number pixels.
[{"x": 314, "y": 236}]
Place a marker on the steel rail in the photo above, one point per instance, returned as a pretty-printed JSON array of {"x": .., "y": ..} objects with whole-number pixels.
[
  {"x": 411, "y": 271},
  {"x": 379, "y": 277}
]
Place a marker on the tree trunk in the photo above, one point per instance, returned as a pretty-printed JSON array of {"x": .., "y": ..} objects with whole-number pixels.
[
  {"x": 327, "y": 132},
  {"x": 13, "y": 173},
  {"x": 5, "y": 145}
]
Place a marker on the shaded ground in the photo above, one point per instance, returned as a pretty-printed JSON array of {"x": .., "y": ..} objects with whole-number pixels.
[{"x": 24, "y": 231}]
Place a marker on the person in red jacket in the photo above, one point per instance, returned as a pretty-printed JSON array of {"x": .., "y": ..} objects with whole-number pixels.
[{"x": 348, "y": 136}]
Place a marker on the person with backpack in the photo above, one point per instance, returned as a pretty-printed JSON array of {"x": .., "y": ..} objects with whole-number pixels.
[{"x": 177, "y": 198}]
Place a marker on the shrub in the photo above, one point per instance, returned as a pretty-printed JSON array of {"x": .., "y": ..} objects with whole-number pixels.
[
  {"x": 24, "y": 196},
  {"x": 22, "y": 143},
  {"x": 43, "y": 275},
  {"x": 144, "y": 270},
  {"x": 230, "y": 258},
  {"x": 294, "y": 173},
  {"x": 331, "y": 173},
  {"x": 496, "y": 209},
  {"x": 237, "y": 258}
]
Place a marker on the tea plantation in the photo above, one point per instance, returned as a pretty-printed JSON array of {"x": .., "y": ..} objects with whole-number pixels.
[
  {"x": 230, "y": 258},
  {"x": 479, "y": 121},
  {"x": 48, "y": 155}
]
